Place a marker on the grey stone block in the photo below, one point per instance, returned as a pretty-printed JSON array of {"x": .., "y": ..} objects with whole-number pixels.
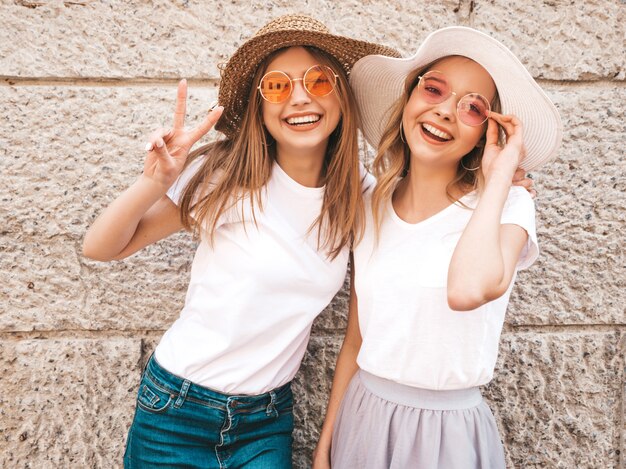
[
  {"x": 69, "y": 152},
  {"x": 66, "y": 402},
  {"x": 311, "y": 388},
  {"x": 559, "y": 39},
  {"x": 557, "y": 399},
  {"x": 579, "y": 277},
  {"x": 172, "y": 38},
  {"x": 332, "y": 320}
]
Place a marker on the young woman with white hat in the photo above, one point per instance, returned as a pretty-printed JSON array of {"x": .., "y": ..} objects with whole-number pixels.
[
  {"x": 276, "y": 205},
  {"x": 445, "y": 235}
]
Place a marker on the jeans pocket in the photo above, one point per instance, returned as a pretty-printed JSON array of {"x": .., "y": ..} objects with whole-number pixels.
[{"x": 152, "y": 397}]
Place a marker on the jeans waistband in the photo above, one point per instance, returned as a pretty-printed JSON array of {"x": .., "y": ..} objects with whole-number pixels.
[
  {"x": 184, "y": 388},
  {"x": 455, "y": 399}
]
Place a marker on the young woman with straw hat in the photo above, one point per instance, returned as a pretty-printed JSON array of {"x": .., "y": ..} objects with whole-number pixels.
[
  {"x": 276, "y": 205},
  {"x": 445, "y": 235}
]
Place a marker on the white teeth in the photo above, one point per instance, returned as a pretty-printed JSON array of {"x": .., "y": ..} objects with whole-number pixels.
[
  {"x": 437, "y": 132},
  {"x": 303, "y": 119}
]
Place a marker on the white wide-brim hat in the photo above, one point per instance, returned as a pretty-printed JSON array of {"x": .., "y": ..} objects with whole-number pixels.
[{"x": 379, "y": 81}]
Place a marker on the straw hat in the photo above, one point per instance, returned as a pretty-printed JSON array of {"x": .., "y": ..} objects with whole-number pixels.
[
  {"x": 379, "y": 81},
  {"x": 285, "y": 31}
]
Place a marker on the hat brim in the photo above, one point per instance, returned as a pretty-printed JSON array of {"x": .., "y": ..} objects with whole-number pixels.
[
  {"x": 379, "y": 81},
  {"x": 236, "y": 79}
]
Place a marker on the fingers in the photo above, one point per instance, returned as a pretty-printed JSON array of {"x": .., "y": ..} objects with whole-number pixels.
[
  {"x": 181, "y": 105},
  {"x": 526, "y": 183},
  {"x": 512, "y": 126},
  {"x": 522, "y": 180},
  {"x": 156, "y": 141},
  {"x": 207, "y": 124},
  {"x": 500, "y": 118},
  {"x": 508, "y": 121},
  {"x": 160, "y": 149},
  {"x": 178, "y": 138},
  {"x": 492, "y": 133},
  {"x": 504, "y": 122},
  {"x": 520, "y": 174}
]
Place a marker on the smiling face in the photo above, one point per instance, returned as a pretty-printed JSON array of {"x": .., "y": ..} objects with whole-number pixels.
[
  {"x": 434, "y": 132},
  {"x": 302, "y": 122}
]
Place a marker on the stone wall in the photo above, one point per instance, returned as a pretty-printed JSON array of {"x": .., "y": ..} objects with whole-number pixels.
[{"x": 83, "y": 82}]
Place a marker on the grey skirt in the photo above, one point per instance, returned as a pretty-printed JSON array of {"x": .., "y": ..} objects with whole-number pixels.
[{"x": 385, "y": 425}]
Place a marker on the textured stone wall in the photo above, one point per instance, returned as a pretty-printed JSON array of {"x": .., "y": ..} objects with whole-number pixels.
[{"x": 83, "y": 82}]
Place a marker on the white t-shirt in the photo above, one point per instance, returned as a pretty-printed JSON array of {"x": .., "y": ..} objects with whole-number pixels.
[
  {"x": 254, "y": 293},
  {"x": 410, "y": 335}
]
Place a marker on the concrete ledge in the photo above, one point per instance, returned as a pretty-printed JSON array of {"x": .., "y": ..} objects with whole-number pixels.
[{"x": 67, "y": 403}]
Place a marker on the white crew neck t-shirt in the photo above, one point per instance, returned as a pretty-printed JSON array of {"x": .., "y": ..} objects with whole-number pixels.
[
  {"x": 254, "y": 293},
  {"x": 410, "y": 335}
]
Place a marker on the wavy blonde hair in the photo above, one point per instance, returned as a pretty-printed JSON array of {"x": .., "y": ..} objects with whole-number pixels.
[
  {"x": 239, "y": 167},
  {"x": 393, "y": 156}
]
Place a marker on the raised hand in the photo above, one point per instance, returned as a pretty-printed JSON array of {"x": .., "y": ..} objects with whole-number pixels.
[
  {"x": 503, "y": 160},
  {"x": 168, "y": 148}
]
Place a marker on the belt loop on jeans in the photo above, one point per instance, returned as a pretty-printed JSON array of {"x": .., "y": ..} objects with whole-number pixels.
[
  {"x": 271, "y": 407},
  {"x": 183, "y": 393}
]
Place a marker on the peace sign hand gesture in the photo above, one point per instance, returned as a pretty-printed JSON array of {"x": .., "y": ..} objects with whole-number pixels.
[
  {"x": 504, "y": 160},
  {"x": 168, "y": 148}
]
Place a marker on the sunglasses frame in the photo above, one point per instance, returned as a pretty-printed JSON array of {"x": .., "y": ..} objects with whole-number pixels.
[
  {"x": 302, "y": 79},
  {"x": 458, "y": 104}
]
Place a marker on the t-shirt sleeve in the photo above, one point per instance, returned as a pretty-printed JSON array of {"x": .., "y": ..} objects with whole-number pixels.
[
  {"x": 519, "y": 209},
  {"x": 175, "y": 192}
]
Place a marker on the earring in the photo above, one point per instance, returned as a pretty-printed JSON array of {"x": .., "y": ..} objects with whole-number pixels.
[
  {"x": 469, "y": 169},
  {"x": 402, "y": 132}
]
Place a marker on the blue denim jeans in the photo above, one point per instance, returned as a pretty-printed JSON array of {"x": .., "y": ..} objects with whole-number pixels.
[{"x": 179, "y": 424}]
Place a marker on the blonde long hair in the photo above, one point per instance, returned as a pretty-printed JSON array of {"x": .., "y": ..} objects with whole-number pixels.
[
  {"x": 393, "y": 156},
  {"x": 239, "y": 167}
]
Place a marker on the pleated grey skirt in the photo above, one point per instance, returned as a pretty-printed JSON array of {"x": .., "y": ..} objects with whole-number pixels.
[{"x": 385, "y": 425}]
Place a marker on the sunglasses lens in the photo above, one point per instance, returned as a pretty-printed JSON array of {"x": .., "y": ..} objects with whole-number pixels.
[
  {"x": 434, "y": 88},
  {"x": 275, "y": 87},
  {"x": 319, "y": 80},
  {"x": 473, "y": 109}
]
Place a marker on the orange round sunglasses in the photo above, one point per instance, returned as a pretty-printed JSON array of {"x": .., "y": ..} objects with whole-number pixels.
[{"x": 276, "y": 86}]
